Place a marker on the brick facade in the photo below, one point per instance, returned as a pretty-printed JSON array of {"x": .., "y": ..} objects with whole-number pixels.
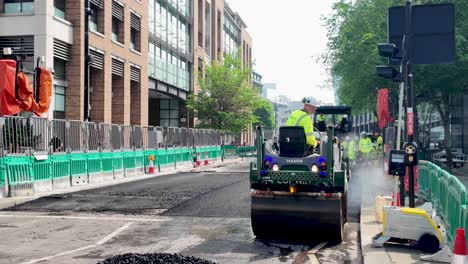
[{"x": 111, "y": 99}]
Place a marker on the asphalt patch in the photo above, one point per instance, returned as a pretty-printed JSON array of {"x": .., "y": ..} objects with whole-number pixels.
[{"x": 154, "y": 258}]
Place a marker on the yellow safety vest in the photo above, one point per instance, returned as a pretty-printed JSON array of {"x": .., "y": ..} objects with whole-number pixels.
[
  {"x": 365, "y": 145},
  {"x": 301, "y": 118},
  {"x": 320, "y": 118},
  {"x": 351, "y": 150},
  {"x": 379, "y": 143}
]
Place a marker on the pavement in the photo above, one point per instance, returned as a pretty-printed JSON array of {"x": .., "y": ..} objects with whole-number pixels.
[{"x": 390, "y": 253}]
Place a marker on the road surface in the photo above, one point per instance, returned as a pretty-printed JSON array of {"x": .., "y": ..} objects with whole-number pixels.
[{"x": 204, "y": 214}]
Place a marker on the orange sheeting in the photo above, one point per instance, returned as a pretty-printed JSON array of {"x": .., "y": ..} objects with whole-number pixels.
[
  {"x": 41, "y": 108},
  {"x": 8, "y": 102},
  {"x": 25, "y": 92},
  {"x": 26, "y": 99}
]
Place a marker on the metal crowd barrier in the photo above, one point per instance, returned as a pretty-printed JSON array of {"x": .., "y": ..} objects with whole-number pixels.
[{"x": 39, "y": 155}]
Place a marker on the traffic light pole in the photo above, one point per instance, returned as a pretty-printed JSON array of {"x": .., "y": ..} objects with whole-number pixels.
[{"x": 409, "y": 93}]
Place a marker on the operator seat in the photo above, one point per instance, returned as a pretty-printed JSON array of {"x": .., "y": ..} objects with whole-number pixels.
[{"x": 292, "y": 141}]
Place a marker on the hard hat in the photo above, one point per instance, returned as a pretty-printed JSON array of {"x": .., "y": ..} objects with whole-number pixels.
[
  {"x": 311, "y": 101},
  {"x": 347, "y": 138},
  {"x": 363, "y": 133}
]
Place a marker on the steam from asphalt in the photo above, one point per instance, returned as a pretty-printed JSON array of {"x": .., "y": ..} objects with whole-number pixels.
[{"x": 366, "y": 183}]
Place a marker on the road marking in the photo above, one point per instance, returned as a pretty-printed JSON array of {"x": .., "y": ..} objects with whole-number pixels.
[
  {"x": 100, "y": 242},
  {"x": 84, "y": 218},
  {"x": 113, "y": 234},
  {"x": 59, "y": 254},
  {"x": 311, "y": 253}
]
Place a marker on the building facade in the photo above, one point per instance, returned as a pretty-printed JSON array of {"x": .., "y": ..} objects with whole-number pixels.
[
  {"x": 54, "y": 30},
  {"x": 257, "y": 81},
  {"x": 145, "y": 54}
]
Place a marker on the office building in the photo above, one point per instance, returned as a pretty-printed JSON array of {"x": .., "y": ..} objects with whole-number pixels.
[
  {"x": 257, "y": 81},
  {"x": 54, "y": 30},
  {"x": 146, "y": 54}
]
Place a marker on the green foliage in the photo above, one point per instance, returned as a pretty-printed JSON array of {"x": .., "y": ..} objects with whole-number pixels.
[
  {"x": 226, "y": 101},
  {"x": 353, "y": 33},
  {"x": 264, "y": 114}
]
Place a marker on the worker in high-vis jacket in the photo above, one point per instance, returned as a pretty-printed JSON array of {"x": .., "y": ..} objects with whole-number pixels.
[
  {"x": 302, "y": 118},
  {"x": 365, "y": 147},
  {"x": 321, "y": 126},
  {"x": 378, "y": 147},
  {"x": 348, "y": 148}
]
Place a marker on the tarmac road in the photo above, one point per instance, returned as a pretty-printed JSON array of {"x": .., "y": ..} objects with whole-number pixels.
[{"x": 205, "y": 214}]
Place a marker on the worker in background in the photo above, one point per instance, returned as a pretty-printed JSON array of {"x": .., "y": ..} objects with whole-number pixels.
[
  {"x": 378, "y": 147},
  {"x": 350, "y": 150},
  {"x": 321, "y": 122},
  {"x": 302, "y": 118},
  {"x": 365, "y": 147},
  {"x": 339, "y": 119}
]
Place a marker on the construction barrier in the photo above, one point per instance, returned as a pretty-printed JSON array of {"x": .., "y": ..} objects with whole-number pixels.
[
  {"x": 447, "y": 195},
  {"x": 246, "y": 151},
  {"x": 40, "y": 155}
]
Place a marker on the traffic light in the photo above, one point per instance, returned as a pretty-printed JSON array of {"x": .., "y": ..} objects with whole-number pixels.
[
  {"x": 390, "y": 51},
  {"x": 388, "y": 72}
]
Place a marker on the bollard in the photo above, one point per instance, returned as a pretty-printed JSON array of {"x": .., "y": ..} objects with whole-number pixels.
[
  {"x": 198, "y": 163},
  {"x": 459, "y": 248},
  {"x": 151, "y": 164},
  {"x": 206, "y": 159},
  {"x": 397, "y": 199}
]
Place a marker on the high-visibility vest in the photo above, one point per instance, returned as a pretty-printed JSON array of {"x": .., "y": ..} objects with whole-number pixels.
[
  {"x": 365, "y": 145},
  {"x": 351, "y": 147},
  {"x": 301, "y": 118},
  {"x": 379, "y": 143},
  {"x": 320, "y": 118}
]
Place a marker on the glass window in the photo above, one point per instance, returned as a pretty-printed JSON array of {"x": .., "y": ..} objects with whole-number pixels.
[
  {"x": 18, "y": 6},
  {"x": 174, "y": 114},
  {"x": 164, "y": 122},
  {"x": 115, "y": 29},
  {"x": 169, "y": 113},
  {"x": 133, "y": 39},
  {"x": 174, "y": 122},
  {"x": 60, "y": 8},
  {"x": 60, "y": 68},
  {"x": 59, "y": 102},
  {"x": 164, "y": 113},
  {"x": 164, "y": 104},
  {"x": 174, "y": 104},
  {"x": 95, "y": 24}
]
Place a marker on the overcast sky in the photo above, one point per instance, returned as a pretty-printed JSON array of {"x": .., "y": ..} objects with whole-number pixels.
[{"x": 288, "y": 36}]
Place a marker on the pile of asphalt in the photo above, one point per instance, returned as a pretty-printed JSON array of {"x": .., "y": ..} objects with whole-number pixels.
[{"x": 154, "y": 258}]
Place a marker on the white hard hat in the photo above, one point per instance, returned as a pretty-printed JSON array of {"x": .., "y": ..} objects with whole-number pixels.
[
  {"x": 347, "y": 138},
  {"x": 311, "y": 101},
  {"x": 363, "y": 133}
]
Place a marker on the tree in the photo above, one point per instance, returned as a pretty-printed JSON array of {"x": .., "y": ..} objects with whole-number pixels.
[
  {"x": 226, "y": 100},
  {"x": 264, "y": 114},
  {"x": 353, "y": 33}
]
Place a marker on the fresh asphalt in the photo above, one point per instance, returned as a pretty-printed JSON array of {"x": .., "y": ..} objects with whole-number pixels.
[{"x": 205, "y": 214}]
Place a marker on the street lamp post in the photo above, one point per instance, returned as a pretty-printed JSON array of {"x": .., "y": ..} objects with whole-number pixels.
[{"x": 87, "y": 60}]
